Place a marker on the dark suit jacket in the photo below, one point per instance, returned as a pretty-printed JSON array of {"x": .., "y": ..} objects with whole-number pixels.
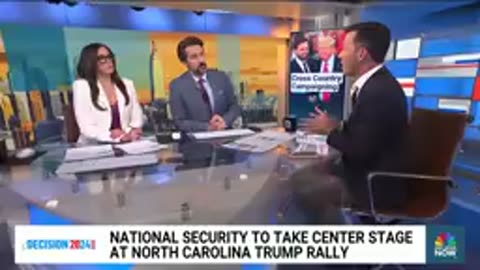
[
  {"x": 337, "y": 65},
  {"x": 189, "y": 111},
  {"x": 372, "y": 138},
  {"x": 295, "y": 68}
]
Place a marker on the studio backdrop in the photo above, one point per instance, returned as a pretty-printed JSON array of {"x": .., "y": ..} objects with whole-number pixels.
[{"x": 40, "y": 61}]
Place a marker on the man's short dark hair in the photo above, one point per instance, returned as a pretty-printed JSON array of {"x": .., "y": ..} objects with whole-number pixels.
[
  {"x": 297, "y": 41},
  {"x": 187, "y": 42},
  {"x": 374, "y": 36}
]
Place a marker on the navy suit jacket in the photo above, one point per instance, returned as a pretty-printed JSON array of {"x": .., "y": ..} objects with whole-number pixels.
[
  {"x": 295, "y": 68},
  {"x": 189, "y": 111}
]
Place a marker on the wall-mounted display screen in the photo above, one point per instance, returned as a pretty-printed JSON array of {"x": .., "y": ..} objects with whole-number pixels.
[
  {"x": 407, "y": 48},
  {"x": 316, "y": 74}
]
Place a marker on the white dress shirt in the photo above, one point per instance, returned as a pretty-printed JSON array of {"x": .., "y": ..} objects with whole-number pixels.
[
  {"x": 208, "y": 88},
  {"x": 360, "y": 82}
]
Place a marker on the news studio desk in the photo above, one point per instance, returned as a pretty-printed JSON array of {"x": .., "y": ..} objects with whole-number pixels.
[{"x": 193, "y": 183}]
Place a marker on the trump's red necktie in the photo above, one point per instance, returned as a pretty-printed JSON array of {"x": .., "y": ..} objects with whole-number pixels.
[
  {"x": 325, "y": 67},
  {"x": 325, "y": 95}
]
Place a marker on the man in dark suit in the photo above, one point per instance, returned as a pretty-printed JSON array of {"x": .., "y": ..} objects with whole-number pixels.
[
  {"x": 201, "y": 99},
  {"x": 371, "y": 139},
  {"x": 300, "y": 62}
]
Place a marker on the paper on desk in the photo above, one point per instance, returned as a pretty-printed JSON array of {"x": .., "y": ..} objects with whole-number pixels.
[
  {"x": 141, "y": 147},
  {"x": 89, "y": 152},
  {"x": 221, "y": 134},
  {"x": 311, "y": 142},
  {"x": 303, "y": 138},
  {"x": 261, "y": 142},
  {"x": 108, "y": 163}
]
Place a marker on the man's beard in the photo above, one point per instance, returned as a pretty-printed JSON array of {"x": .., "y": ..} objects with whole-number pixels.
[
  {"x": 301, "y": 58},
  {"x": 201, "y": 68}
]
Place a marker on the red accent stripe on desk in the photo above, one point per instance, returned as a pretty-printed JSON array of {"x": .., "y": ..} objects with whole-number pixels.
[
  {"x": 476, "y": 89},
  {"x": 407, "y": 84}
]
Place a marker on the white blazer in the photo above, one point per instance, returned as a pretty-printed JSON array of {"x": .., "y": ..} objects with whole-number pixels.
[{"x": 95, "y": 124}]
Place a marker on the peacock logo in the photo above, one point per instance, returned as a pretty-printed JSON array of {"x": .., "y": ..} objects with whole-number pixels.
[{"x": 445, "y": 245}]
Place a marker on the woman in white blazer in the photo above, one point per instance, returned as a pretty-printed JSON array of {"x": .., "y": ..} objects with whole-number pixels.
[{"x": 106, "y": 106}]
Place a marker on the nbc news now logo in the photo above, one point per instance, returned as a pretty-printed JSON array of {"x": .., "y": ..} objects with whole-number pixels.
[
  {"x": 59, "y": 244},
  {"x": 445, "y": 245}
]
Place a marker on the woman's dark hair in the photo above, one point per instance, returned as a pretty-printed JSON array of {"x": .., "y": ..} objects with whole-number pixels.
[
  {"x": 297, "y": 40},
  {"x": 87, "y": 69}
]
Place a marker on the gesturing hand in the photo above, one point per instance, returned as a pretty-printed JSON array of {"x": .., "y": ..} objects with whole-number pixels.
[{"x": 320, "y": 122}]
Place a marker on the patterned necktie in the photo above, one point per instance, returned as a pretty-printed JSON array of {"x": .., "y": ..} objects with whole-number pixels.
[
  {"x": 354, "y": 95},
  {"x": 204, "y": 93}
]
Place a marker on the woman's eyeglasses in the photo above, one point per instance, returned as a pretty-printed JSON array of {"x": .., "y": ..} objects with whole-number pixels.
[{"x": 102, "y": 59}]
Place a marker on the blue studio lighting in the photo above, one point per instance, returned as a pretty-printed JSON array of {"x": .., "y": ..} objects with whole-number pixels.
[{"x": 151, "y": 19}]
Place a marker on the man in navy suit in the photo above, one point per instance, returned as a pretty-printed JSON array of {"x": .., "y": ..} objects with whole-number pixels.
[
  {"x": 300, "y": 62},
  {"x": 201, "y": 99}
]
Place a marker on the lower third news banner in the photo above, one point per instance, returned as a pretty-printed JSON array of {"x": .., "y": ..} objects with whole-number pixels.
[{"x": 220, "y": 244}]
